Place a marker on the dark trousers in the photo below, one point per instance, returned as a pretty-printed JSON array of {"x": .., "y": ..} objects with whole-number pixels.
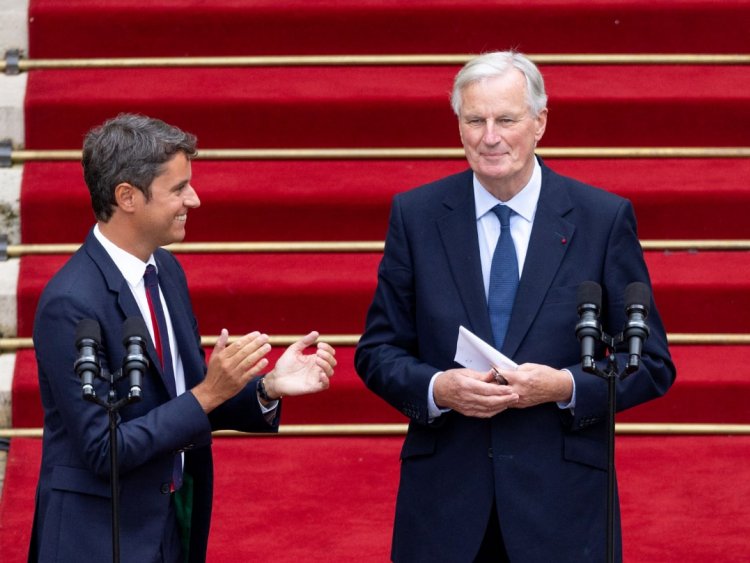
[
  {"x": 171, "y": 544},
  {"x": 492, "y": 549}
]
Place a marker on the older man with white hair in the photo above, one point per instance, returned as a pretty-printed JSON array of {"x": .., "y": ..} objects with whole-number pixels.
[{"x": 506, "y": 465}]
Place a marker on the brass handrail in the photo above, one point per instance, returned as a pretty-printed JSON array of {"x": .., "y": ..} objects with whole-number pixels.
[
  {"x": 373, "y": 246},
  {"x": 19, "y": 156},
  {"x": 13, "y": 344},
  {"x": 395, "y": 429},
  {"x": 25, "y": 65},
  {"x": 10, "y": 344},
  {"x": 18, "y": 250}
]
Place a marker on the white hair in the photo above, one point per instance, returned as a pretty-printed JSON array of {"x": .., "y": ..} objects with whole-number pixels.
[{"x": 497, "y": 63}]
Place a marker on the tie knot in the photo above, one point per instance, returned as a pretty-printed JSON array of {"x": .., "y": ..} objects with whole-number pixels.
[
  {"x": 150, "y": 277},
  {"x": 503, "y": 213}
]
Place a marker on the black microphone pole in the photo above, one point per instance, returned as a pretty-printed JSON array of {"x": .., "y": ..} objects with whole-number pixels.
[
  {"x": 588, "y": 329},
  {"x": 88, "y": 341},
  {"x": 612, "y": 403},
  {"x": 637, "y": 299}
]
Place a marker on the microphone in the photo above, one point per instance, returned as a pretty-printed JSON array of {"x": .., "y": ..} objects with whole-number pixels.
[
  {"x": 88, "y": 340},
  {"x": 637, "y": 300},
  {"x": 588, "y": 329},
  {"x": 135, "y": 362}
]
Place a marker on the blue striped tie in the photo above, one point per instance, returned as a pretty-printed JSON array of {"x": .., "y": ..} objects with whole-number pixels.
[{"x": 503, "y": 278}]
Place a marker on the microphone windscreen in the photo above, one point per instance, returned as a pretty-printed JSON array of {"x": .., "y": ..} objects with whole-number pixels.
[
  {"x": 134, "y": 326},
  {"x": 590, "y": 292},
  {"x": 638, "y": 293},
  {"x": 88, "y": 329}
]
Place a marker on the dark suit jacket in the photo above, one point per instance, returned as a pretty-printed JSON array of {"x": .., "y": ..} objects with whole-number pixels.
[
  {"x": 546, "y": 467},
  {"x": 72, "y": 522}
]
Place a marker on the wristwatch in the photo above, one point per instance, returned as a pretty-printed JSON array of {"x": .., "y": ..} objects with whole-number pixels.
[{"x": 262, "y": 390}]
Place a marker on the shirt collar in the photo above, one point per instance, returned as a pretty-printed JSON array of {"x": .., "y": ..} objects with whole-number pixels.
[
  {"x": 131, "y": 268},
  {"x": 523, "y": 203}
]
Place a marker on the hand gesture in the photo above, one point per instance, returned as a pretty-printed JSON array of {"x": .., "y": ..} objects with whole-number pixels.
[
  {"x": 231, "y": 367},
  {"x": 297, "y": 373},
  {"x": 536, "y": 384},
  {"x": 472, "y": 393}
]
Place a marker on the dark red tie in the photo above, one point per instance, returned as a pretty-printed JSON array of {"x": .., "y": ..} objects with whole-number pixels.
[{"x": 161, "y": 343}]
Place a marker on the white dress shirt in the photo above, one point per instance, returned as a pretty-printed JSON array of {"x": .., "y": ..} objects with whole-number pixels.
[
  {"x": 132, "y": 269},
  {"x": 524, "y": 203}
]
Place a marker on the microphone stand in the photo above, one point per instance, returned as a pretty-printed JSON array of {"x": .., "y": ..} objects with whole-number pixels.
[
  {"x": 588, "y": 330},
  {"x": 610, "y": 374},
  {"x": 112, "y": 405}
]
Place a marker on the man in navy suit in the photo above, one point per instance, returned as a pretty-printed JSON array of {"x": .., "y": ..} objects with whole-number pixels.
[
  {"x": 138, "y": 171},
  {"x": 517, "y": 471}
]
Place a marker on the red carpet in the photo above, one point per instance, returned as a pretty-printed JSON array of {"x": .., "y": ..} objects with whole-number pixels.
[
  {"x": 72, "y": 28},
  {"x": 349, "y": 200},
  {"x": 711, "y": 387},
  {"x": 331, "y": 499},
  {"x": 684, "y": 498},
  {"x": 365, "y": 106},
  {"x": 346, "y": 402},
  {"x": 295, "y": 293}
]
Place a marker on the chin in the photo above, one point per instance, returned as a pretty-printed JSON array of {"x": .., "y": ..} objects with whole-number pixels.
[
  {"x": 177, "y": 237},
  {"x": 495, "y": 172}
]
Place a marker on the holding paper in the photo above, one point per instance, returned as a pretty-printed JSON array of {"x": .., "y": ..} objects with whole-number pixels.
[
  {"x": 474, "y": 353},
  {"x": 509, "y": 472}
]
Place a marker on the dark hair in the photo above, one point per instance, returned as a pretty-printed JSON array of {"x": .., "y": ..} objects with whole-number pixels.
[{"x": 129, "y": 148}]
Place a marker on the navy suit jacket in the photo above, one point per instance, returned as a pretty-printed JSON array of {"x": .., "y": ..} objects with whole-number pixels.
[
  {"x": 546, "y": 467},
  {"x": 72, "y": 520}
]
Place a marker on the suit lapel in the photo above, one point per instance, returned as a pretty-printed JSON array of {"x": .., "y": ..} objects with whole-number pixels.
[
  {"x": 550, "y": 238},
  {"x": 458, "y": 232},
  {"x": 116, "y": 283},
  {"x": 181, "y": 324}
]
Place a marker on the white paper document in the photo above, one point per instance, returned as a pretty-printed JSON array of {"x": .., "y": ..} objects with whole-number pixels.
[{"x": 474, "y": 353}]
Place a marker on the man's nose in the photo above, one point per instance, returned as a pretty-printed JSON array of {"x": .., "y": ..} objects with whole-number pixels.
[
  {"x": 491, "y": 134},
  {"x": 191, "y": 198}
]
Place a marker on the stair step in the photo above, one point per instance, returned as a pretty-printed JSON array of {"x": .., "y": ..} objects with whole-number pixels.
[
  {"x": 345, "y": 200},
  {"x": 711, "y": 388},
  {"x": 696, "y": 292},
  {"x": 271, "y": 27},
  {"x": 385, "y": 106},
  {"x": 352, "y": 481}
]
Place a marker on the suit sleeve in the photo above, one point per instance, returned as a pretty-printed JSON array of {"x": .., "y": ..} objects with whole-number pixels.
[
  {"x": 242, "y": 412},
  {"x": 160, "y": 430},
  {"x": 386, "y": 357},
  {"x": 624, "y": 263}
]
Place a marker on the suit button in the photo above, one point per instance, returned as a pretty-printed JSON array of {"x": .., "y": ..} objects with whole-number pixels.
[
  {"x": 165, "y": 488},
  {"x": 489, "y": 453}
]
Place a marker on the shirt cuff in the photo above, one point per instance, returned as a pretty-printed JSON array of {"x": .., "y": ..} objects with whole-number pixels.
[
  {"x": 268, "y": 412},
  {"x": 572, "y": 403},
  {"x": 433, "y": 411}
]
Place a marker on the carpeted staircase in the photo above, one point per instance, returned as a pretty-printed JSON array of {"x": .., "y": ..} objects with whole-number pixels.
[{"x": 301, "y": 192}]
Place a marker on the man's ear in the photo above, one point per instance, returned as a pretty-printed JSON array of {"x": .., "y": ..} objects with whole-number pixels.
[
  {"x": 126, "y": 196},
  {"x": 541, "y": 125}
]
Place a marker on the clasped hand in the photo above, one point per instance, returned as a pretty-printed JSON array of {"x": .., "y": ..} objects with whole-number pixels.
[{"x": 477, "y": 394}]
